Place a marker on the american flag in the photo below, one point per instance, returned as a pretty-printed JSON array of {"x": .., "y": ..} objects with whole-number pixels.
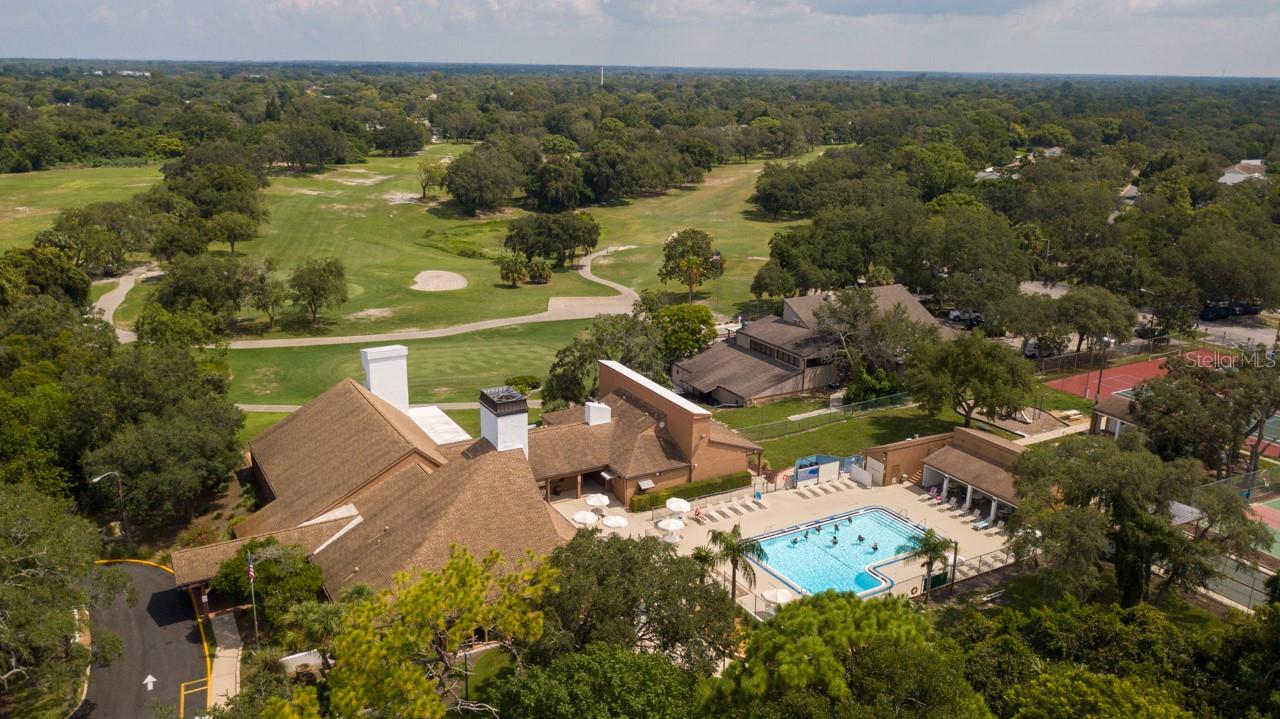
[{"x": 249, "y": 555}]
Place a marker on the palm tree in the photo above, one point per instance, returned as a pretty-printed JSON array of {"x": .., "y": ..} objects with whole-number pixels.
[
  {"x": 932, "y": 548},
  {"x": 513, "y": 269},
  {"x": 732, "y": 548},
  {"x": 706, "y": 559},
  {"x": 311, "y": 625}
]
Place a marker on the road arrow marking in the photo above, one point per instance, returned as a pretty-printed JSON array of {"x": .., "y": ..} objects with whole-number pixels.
[{"x": 150, "y": 681}]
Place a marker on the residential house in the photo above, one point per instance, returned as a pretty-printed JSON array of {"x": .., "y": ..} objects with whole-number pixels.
[
  {"x": 1244, "y": 170},
  {"x": 777, "y": 356}
]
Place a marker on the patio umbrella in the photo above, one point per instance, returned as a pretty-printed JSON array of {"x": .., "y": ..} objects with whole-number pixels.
[
  {"x": 677, "y": 505},
  {"x": 671, "y": 538},
  {"x": 778, "y": 596},
  {"x": 584, "y": 518},
  {"x": 613, "y": 521},
  {"x": 597, "y": 500},
  {"x": 671, "y": 524}
]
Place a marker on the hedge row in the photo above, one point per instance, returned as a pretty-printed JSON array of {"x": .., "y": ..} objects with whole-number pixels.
[{"x": 692, "y": 490}]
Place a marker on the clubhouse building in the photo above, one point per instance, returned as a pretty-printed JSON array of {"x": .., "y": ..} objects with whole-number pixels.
[{"x": 369, "y": 486}]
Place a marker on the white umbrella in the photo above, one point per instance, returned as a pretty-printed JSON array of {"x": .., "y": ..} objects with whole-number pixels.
[
  {"x": 613, "y": 521},
  {"x": 778, "y": 596},
  {"x": 597, "y": 500},
  {"x": 677, "y": 505},
  {"x": 584, "y": 518},
  {"x": 671, "y": 538},
  {"x": 671, "y": 524}
]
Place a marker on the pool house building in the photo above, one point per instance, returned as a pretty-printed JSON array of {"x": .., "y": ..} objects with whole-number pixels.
[{"x": 966, "y": 468}]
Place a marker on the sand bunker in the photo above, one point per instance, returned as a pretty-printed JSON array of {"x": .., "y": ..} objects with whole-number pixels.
[{"x": 438, "y": 281}]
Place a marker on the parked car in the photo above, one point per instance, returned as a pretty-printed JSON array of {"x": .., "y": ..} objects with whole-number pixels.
[
  {"x": 1245, "y": 308},
  {"x": 1031, "y": 349},
  {"x": 1214, "y": 311},
  {"x": 1148, "y": 332}
]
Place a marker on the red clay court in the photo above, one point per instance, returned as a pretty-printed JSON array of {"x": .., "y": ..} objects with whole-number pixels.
[
  {"x": 1116, "y": 379},
  {"x": 1124, "y": 377}
]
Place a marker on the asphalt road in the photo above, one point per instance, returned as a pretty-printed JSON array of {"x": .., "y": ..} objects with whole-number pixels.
[{"x": 161, "y": 640}]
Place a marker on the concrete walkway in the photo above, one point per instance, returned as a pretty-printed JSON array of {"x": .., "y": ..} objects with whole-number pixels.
[
  {"x": 224, "y": 680},
  {"x": 111, "y": 301},
  {"x": 534, "y": 403},
  {"x": 558, "y": 308}
]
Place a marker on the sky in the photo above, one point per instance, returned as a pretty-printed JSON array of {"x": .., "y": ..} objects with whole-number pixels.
[{"x": 1113, "y": 37}]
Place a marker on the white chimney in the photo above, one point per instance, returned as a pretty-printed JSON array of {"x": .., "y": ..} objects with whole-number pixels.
[
  {"x": 386, "y": 373},
  {"x": 597, "y": 413},
  {"x": 504, "y": 419}
]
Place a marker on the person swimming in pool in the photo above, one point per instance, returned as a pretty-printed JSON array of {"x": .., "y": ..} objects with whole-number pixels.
[
  {"x": 835, "y": 541},
  {"x": 861, "y": 539},
  {"x": 875, "y": 546},
  {"x": 806, "y": 534},
  {"x": 818, "y": 529},
  {"x": 795, "y": 540}
]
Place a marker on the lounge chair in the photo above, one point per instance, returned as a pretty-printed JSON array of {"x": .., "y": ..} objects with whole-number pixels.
[{"x": 979, "y": 526}]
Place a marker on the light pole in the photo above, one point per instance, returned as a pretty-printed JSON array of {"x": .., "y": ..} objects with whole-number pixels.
[
  {"x": 1106, "y": 343},
  {"x": 124, "y": 518}
]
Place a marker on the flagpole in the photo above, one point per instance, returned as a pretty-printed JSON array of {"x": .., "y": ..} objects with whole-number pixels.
[{"x": 254, "y": 600}]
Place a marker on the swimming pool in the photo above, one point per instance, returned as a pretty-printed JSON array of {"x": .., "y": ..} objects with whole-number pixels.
[{"x": 813, "y": 564}]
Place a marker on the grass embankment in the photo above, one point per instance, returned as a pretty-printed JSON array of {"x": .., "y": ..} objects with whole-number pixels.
[
  {"x": 446, "y": 369},
  {"x": 769, "y": 412}
]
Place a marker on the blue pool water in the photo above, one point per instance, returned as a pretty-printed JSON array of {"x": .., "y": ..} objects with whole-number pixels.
[{"x": 813, "y": 564}]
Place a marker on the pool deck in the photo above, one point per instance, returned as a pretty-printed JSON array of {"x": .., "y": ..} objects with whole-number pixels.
[{"x": 790, "y": 507}]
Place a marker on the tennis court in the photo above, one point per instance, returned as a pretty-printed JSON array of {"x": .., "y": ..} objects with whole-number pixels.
[
  {"x": 1118, "y": 379},
  {"x": 1269, "y": 514}
]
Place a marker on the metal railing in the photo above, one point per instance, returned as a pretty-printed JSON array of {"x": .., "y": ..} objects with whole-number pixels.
[
  {"x": 968, "y": 569},
  {"x": 839, "y": 413}
]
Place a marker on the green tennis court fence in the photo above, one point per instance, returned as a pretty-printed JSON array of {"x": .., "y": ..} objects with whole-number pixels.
[{"x": 840, "y": 413}]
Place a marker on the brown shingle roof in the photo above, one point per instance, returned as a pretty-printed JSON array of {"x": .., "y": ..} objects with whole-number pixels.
[
  {"x": 328, "y": 449},
  {"x": 745, "y": 374},
  {"x": 721, "y": 434},
  {"x": 886, "y": 296},
  {"x": 631, "y": 443},
  {"x": 793, "y": 338},
  {"x": 481, "y": 499},
  {"x": 969, "y": 468},
  {"x": 199, "y": 564}
]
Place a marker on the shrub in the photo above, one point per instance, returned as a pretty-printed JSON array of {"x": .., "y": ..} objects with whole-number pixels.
[
  {"x": 692, "y": 490},
  {"x": 198, "y": 536},
  {"x": 524, "y": 383}
]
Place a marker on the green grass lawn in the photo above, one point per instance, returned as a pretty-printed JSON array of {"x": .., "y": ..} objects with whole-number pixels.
[
  {"x": 1050, "y": 400},
  {"x": 469, "y": 419},
  {"x": 446, "y": 369},
  {"x": 30, "y": 200},
  {"x": 255, "y": 423},
  {"x": 718, "y": 206},
  {"x": 98, "y": 289},
  {"x": 369, "y": 216},
  {"x": 856, "y": 434},
  {"x": 769, "y": 412}
]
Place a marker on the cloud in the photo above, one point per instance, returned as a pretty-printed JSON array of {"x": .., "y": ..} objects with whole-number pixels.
[{"x": 1061, "y": 36}]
